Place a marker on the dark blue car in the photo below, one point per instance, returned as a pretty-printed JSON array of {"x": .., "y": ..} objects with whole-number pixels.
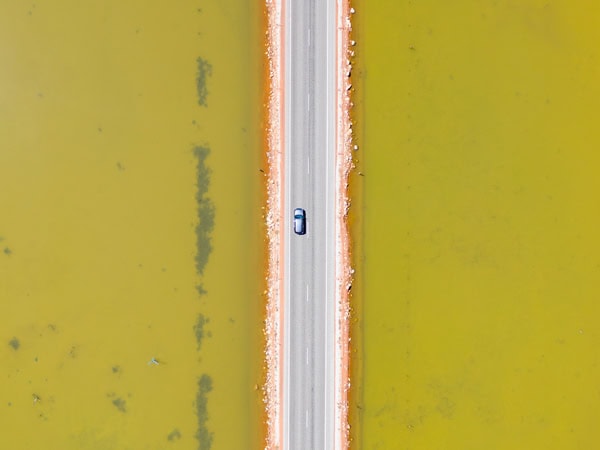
[{"x": 299, "y": 221}]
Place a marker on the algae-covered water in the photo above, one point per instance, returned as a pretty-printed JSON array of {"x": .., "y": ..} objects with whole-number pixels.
[
  {"x": 476, "y": 312},
  {"x": 130, "y": 225}
]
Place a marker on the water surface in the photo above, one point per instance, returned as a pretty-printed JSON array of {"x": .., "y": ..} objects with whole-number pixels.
[
  {"x": 478, "y": 253},
  {"x": 130, "y": 234}
]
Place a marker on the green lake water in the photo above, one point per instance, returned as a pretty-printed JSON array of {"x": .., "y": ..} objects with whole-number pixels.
[
  {"x": 475, "y": 224},
  {"x": 131, "y": 259}
]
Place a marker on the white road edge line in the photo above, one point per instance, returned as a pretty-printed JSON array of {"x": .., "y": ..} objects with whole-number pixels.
[
  {"x": 327, "y": 166},
  {"x": 286, "y": 12}
]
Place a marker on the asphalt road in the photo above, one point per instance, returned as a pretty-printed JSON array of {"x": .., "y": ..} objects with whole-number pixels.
[{"x": 308, "y": 395}]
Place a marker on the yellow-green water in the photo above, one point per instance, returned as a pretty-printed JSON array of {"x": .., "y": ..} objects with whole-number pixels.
[
  {"x": 480, "y": 266},
  {"x": 125, "y": 129}
]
